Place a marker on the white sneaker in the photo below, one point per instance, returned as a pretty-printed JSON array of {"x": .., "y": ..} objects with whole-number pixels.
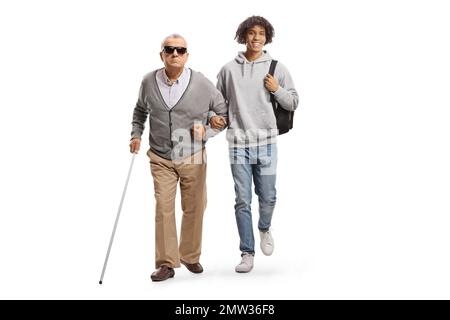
[
  {"x": 246, "y": 263},
  {"x": 267, "y": 244}
]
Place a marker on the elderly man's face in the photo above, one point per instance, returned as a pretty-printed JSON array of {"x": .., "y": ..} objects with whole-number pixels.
[{"x": 175, "y": 59}]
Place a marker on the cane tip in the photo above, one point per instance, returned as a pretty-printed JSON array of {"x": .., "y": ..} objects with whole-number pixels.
[{"x": 100, "y": 282}]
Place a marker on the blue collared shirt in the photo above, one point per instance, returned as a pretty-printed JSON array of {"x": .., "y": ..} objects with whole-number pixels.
[{"x": 172, "y": 93}]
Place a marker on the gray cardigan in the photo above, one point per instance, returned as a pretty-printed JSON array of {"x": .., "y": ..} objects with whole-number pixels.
[{"x": 170, "y": 129}]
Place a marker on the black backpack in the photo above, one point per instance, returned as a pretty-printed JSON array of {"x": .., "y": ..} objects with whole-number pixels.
[{"x": 285, "y": 118}]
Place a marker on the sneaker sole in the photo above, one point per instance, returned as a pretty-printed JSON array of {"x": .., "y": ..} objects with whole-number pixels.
[
  {"x": 243, "y": 271},
  {"x": 267, "y": 254}
]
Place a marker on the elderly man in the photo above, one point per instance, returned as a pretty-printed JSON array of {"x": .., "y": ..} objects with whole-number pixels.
[{"x": 177, "y": 100}]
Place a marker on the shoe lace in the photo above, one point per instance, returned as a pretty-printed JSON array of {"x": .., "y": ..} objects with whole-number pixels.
[
  {"x": 246, "y": 259},
  {"x": 267, "y": 237}
]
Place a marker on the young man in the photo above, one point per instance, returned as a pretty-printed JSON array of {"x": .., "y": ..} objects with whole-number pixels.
[
  {"x": 247, "y": 86},
  {"x": 177, "y": 101}
]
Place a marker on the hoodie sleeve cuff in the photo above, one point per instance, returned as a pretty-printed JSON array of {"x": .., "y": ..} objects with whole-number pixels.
[{"x": 277, "y": 93}]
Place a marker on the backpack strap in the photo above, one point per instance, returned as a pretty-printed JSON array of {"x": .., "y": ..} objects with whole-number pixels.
[{"x": 273, "y": 65}]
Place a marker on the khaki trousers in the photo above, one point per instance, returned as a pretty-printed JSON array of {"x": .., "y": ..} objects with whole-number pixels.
[{"x": 191, "y": 172}]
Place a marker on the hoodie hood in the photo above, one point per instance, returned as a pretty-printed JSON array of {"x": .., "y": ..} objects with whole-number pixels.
[{"x": 241, "y": 59}]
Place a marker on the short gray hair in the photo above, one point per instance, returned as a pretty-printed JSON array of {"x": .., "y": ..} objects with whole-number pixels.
[{"x": 173, "y": 35}]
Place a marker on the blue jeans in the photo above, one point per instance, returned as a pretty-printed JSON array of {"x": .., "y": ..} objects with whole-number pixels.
[{"x": 259, "y": 162}]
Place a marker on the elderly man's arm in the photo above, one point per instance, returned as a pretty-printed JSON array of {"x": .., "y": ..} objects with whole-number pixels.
[{"x": 140, "y": 114}]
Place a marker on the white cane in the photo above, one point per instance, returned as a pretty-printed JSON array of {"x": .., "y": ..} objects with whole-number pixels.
[{"x": 117, "y": 220}]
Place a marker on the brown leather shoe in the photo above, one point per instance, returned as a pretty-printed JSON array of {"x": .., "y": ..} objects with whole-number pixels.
[
  {"x": 194, "y": 267},
  {"x": 162, "y": 273}
]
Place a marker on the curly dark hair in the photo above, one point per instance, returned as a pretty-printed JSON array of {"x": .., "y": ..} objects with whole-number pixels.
[{"x": 250, "y": 22}]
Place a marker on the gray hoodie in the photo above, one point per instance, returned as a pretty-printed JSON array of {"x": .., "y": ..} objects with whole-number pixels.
[{"x": 251, "y": 118}]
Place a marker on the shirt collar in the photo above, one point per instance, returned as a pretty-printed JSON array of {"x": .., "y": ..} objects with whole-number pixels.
[{"x": 168, "y": 81}]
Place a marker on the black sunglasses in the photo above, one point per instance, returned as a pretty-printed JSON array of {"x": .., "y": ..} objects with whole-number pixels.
[{"x": 170, "y": 50}]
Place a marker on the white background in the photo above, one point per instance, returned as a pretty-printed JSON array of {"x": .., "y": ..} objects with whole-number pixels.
[{"x": 363, "y": 179}]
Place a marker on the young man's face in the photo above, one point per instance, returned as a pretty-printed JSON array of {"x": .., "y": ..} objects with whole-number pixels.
[
  {"x": 255, "y": 38},
  {"x": 174, "y": 59}
]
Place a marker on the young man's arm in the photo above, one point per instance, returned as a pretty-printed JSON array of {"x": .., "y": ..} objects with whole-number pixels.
[
  {"x": 218, "y": 107},
  {"x": 286, "y": 95},
  {"x": 217, "y": 121}
]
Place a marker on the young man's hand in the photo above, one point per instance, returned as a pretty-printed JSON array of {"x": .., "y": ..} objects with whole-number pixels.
[
  {"x": 135, "y": 145},
  {"x": 217, "y": 122},
  {"x": 271, "y": 83}
]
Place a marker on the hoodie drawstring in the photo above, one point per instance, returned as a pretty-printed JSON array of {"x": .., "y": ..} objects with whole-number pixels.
[
  {"x": 241, "y": 59},
  {"x": 251, "y": 69}
]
